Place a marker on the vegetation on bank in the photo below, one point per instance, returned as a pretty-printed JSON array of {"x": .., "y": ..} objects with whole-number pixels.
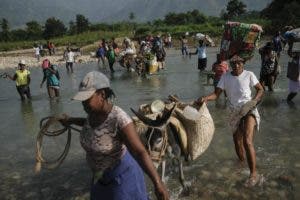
[{"x": 81, "y": 32}]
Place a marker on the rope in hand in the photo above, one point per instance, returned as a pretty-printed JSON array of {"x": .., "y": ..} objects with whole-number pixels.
[{"x": 45, "y": 123}]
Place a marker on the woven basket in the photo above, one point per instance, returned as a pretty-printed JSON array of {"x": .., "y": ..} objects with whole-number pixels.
[{"x": 199, "y": 132}]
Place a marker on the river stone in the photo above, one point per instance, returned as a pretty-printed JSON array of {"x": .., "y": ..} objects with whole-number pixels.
[
  {"x": 297, "y": 165},
  {"x": 31, "y": 195},
  {"x": 282, "y": 194},
  {"x": 222, "y": 194},
  {"x": 46, "y": 190},
  {"x": 234, "y": 193},
  {"x": 219, "y": 175},
  {"x": 16, "y": 176},
  {"x": 225, "y": 170},
  {"x": 273, "y": 184},
  {"x": 205, "y": 174}
]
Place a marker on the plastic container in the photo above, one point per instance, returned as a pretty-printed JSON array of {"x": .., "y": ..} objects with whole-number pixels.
[
  {"x": 191, "y": 113},
  {"x": 157, "y": 106}
]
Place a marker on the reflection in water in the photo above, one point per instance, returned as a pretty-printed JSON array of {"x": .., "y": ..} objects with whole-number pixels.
[
  {"x": 29, "y": 119},
  {"x": 56, "y": 107},
  {"x": 156, "y": 82}
]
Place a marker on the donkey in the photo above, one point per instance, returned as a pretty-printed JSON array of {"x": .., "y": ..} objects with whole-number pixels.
[{"x": 161, "y": 138}]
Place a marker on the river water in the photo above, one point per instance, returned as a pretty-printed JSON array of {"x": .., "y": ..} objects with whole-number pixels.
[{"x": 215, "y": 175}]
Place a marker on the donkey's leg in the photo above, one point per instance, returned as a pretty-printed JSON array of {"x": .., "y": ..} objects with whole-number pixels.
[{"x": 163, "y": 170}]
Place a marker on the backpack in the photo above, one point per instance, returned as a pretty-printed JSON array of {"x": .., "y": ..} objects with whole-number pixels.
[{"x": 45, "y": 64}]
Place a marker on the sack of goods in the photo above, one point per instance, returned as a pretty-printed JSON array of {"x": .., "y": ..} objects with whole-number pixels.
[
  {"x": 199, "y": 127},
  {"x": 241, "y": 39},
  {"x": 292, "y": 35},
  {"x": 200, "y": 36}
]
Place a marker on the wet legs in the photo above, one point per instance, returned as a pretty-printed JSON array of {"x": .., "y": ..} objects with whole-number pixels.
[
  {"x": 243, "y": 140},
  {"x": 69, "y": 64}
]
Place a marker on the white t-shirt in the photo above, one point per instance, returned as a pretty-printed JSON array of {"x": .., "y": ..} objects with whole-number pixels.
[
  {"x": 201, "y": 52},
  {"x": 70, "y": 56},
  {"x": 37, "y": 50},
  {"x": 238, "y": 88}
]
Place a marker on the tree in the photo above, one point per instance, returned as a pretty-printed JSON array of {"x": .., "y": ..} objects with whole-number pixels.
[
  {"x": 72, "y": 28},
  {"x": 197, "y": 17},
  {"x": 282, "y": 13},
  {"x": 54, "y": 28},
  {"x": 131, "y": 16},
  {"x": 82, "y": 23},
  {"x": 234, "y": 8},
  {"x": 18, "y": 34},
  {"x": 33, "y": 30},
  {"x": 4, "y": 34}
]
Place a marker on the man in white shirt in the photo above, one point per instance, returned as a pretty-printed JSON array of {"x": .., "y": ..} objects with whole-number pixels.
[
  {"x": 244, "y": 116},
  {"x": 37, "y": 52},
  {"x": 70, "y": 59}
]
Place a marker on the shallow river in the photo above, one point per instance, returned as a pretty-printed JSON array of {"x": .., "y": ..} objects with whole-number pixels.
[{"x": 215, "y": 175}]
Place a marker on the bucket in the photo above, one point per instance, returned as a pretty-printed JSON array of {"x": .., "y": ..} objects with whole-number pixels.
[{"x": 157, "y": 106}]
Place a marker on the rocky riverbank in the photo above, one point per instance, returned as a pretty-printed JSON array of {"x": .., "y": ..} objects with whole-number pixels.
[
  {"x": 31, "y": 61},
  {"x": 11, "y": 59}
]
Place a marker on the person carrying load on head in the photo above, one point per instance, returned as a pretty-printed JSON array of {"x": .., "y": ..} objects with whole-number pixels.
[
  {"x": 293, "y": 74},
  {"x": 244, "y": 117},
  {"x": 202, "y": 57},
  {"x": 277, "y": 42},
  {"x": 114, "y": 151},
  {"x": 22, "y": 79},
  {"x": 51, "y": 76},
  {"x": 269, "y": 66},
  {"x": 159, "y": 51}
]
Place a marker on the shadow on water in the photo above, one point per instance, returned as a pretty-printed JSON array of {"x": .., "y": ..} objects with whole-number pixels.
[{"x": 30, "y": 120}]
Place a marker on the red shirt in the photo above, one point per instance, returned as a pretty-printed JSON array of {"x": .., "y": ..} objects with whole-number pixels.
[{"x": 220, "y": 69}]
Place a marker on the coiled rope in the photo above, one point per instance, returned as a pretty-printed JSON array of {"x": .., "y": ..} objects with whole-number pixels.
[{"x": 45, "y": 123}]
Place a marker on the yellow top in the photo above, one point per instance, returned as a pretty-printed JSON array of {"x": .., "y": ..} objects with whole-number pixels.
[{"x": 22, "y": 77}]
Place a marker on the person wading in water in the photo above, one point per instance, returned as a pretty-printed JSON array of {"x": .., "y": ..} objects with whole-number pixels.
[
  {"x": 22, "y": 79},
  {"x": 114, "y": 151},
  {"x": 242, "y": 119}
]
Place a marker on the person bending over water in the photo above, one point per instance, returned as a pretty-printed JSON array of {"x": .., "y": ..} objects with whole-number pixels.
[
  {"x": 113, "y": 148},
  {"x": 237, "y": 85}
]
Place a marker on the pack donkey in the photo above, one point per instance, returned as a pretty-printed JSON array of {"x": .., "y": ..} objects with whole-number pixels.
[{"x": 161, "y": 140}]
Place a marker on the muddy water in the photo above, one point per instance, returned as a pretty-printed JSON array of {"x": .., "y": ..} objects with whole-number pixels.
[{"x": 215, "y": 175}]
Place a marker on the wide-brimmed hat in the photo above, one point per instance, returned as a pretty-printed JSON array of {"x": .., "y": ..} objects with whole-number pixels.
[{"x": 92, "y": 82}]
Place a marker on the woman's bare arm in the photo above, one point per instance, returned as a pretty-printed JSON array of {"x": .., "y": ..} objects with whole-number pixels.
[{"x": 139, "y": 152}]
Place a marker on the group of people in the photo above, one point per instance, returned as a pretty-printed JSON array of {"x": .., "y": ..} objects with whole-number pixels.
[
  {"x": 22, "y": 79},
  {"x": 114, "y": 151},
  {"x": 107, "y": 51},
  {"x": 39, "y": 50}
]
